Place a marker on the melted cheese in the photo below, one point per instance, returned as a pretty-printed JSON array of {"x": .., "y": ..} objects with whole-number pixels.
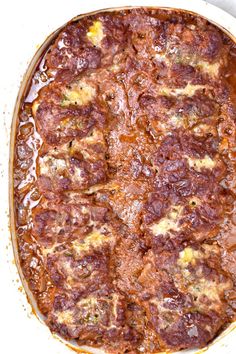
[
  {"x": 84, "y": 145},
  {"x": 161, "y": 57},
  {"x": 89, "y": 314},
  {"x": 70, "y": 123},
  {"x": 50, "y": 165},
  {"x": 79, "y": 94},
  {"x": 65, "y": 317},
  {"x": 211, "y": 249},
  {"x": 95, "y": 137},
  {"x": 115, "y": 299},
  {"x": 108, "y": 187},
  {"x": 177, "y": 121},
  {"x": 188, "y": 256},
  {"x": 77, "y": 174},
  {"x": 114, "y": 68},
  {"x": 48, "y": 250},
  {"x": 166, "y": 316},
  {"x": 95, "y": 33},
  {"x": 88, "y": 302},
  {"x": 210, "y": 69},
  {"x": 189, "y": 90},
  {"x": 95, "y": 239},
  {"x": 208, "y": 288},
  {"x": 198, "y": 164},
  {"x": 168, "y": 223},
  {"x": 199, "y": 286},
  {"x": 203, "y": 129}
]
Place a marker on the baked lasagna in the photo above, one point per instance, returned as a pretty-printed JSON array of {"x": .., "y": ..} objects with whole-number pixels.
[{"x": 124, "y": 181}]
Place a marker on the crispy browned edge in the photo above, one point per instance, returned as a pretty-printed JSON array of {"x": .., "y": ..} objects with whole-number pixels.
[{"x": 24, "y": 86}]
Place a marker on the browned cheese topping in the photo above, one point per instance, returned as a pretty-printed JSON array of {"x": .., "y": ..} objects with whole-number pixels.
[{"x": 125, "y": 181}]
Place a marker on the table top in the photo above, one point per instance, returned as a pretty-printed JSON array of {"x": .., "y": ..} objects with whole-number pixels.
[
  {"x": 227, "y": 5},
  {"x": 23, "y": 26}
]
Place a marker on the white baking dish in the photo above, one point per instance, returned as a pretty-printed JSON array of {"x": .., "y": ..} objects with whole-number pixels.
[{"x": 226, "y": 342}]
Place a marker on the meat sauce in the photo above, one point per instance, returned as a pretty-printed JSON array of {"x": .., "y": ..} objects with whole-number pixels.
[{"x": 124, "y": 181}]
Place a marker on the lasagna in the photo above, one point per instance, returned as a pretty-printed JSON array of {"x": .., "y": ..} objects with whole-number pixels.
[{"x": 124, "y": 181}]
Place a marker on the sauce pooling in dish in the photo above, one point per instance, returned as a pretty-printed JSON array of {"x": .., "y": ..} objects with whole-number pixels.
[{"x": 124, "y": 181}]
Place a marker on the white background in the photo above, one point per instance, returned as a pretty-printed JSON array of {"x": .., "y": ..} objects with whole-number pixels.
[{"x": 24, "y": 25}]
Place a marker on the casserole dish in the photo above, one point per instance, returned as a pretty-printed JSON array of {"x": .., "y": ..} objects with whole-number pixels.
[{"x": 25, "y": 88}]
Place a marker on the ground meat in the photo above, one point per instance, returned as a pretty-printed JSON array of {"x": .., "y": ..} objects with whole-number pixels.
[{"x": 125, "y": 181}]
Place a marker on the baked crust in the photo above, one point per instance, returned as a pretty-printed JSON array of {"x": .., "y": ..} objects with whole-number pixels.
[{"x": 124, "y": 181}]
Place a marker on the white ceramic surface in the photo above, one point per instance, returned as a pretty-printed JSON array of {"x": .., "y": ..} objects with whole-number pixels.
[{"x": 24, "y": 26}]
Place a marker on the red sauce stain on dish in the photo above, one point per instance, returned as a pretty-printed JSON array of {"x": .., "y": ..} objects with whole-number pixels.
[
  {"x": 20, "y": 288},
  {"x": 124, "y": 182}
]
